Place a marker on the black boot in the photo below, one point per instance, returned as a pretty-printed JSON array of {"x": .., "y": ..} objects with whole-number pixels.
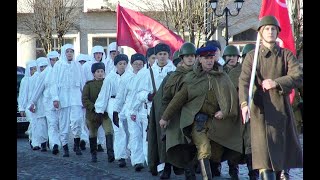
[
  {"x": 30, "y": 142},
  {"x": 267, "y": 174},
  {"x": 205, "y": 169},
  {"x": 215, "y": 168},
  {"x": 93, "y": 149},
  {"x": 284, "y": 174},
  {"x": 44, "y": 146},
  {"x": 233, "y": 170},
  {"x": 253, "y": 174},
  {"x": 66, "y": 150},
  {"x": 189, "y": 172},
  {"x": 82, "y": 145},
  {"x": 109, "y": 144},
  {"x": 166, "y": 171},
  {"x": 122, "y": 163},
  {"x": 177, "y": 171},
  {"x": 55, "y": 149},
  {"x": 77, "y": 146},
  {"x": 100, "y": 149}
]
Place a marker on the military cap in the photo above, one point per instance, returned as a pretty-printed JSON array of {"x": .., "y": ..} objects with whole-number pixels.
[
  {"x": 150, "y": 52},
  {"x": 96, "y": 66},
  {"x": 214, "y": 43},
  {"x": 138, "y": 56},
  {"x": 161, "y": 47},
  {"x": 120, "y": 57},
  {"x": 176, "y": 59},
  {"x": 206, "y": 51}
]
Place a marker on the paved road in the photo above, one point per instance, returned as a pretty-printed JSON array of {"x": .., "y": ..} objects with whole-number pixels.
[{"x": 44, "y": 165}]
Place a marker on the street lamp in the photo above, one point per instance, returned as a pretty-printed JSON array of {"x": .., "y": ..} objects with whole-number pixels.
[{"x": 227, "y": 12}]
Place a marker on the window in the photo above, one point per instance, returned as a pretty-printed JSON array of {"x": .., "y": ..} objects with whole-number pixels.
[
  {"x": 103, "y": 41},
  {"x": 40, "y": 50}
]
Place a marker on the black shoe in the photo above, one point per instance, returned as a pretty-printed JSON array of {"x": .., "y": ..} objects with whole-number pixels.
[
  {"x": 66, "y": 150},
  {"x": 138, "y": 167},
  {"x": 233, "y": 170},
  {"x": 100, "y": 149},
  {"x": 109, "y": 144},
  {"x": 76, "y": 146},
  {"x": 215, "y": 168},
  {"x": 82, "y": 145},
  {"x": 36, "y": 148},
  {"x": 122, "y": 163},
  {"x": 55, "y": 149},
  {"x": 166, "y": 171},
  {"x": 44, "y": 147}
]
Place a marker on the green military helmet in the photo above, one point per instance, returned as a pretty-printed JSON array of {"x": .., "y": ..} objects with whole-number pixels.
[
  {"x": 187, "y": 48},
  {"x": 231, "y": 50},
  {"x": 247, "y": 48},
  {"x": 269, "y": 20},
  {"x": 176, "y": 58},
  {"x": 175, "y": 55}
]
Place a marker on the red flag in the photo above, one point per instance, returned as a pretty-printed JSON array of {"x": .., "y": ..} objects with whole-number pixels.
[
  {"x": 278, "y": 9},
  {"x": 141, "y": 32}
]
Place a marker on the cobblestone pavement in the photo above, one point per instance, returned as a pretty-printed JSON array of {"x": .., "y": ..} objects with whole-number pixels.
[{"x": 44, "y": 165}]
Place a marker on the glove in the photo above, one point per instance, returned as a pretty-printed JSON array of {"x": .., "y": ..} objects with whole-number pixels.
[
  {"x": 99, "y": 117},
  {"x": 150, "y": 96},
  {"x": 115, "y": 118}
]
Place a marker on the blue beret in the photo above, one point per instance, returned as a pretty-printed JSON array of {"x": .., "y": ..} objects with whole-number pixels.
[
  {"x": 120, "y": 57},
  {"x": 96, "y": 66},
  {"x": 150, "y": 52},
  {"x": 206, "y": 51},
  {"x": 161, "y": 47},
  {"x": 138, "y": 56}
]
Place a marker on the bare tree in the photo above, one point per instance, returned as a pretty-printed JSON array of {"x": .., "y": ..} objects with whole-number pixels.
[{"x": 49, "y": 17}]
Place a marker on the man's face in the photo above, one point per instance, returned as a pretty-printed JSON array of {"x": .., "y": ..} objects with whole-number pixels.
[
  {"x": 42, "y": 68},
  {"x": 152, "y": 59},
  {"x": 69, "y": 54},
  {"x": 137, "y": 65},
  {"x": 82, "y": 62},
  {"x": 207, "y": 62},
  {"x": 53, "y": 61},
  {"x": 33, "y": 70},
  {"x": 121, "y": 66},
  {"x": 113, "y": 54},
  {"x": 99, "y": 74},
  {"x": 98, "y": 56},
  {"x": 162, "y": 57},
  {"x": 232, "y": 59},
  {"x": 269, "y": 33},
  {"x": 188, "y": 60}
]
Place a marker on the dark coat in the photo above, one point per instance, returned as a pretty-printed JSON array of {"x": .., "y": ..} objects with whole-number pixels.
[
  {"x": 197, "y": 84},
  {"x": 234, "y": 74},
  {"x": 274, "y": 140}
]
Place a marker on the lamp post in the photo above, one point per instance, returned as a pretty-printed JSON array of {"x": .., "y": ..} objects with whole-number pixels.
[{"x": 227, "y": 12}]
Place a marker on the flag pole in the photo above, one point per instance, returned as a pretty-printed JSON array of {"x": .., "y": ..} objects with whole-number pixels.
[
  {"x": 253, "y": 75},
  {"x": 118, "y": 9}
]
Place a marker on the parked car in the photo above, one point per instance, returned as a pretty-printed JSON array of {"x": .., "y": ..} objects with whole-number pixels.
[{"x": 22, "y": 123}]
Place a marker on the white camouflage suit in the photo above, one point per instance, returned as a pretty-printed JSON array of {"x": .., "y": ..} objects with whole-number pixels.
[
  {"x": 25, "y": 92},
  {"x": 143, "y": 88},
  {"x": 40, "y": 126},
  {"x": 67, "y": 84},
  {"x": 105, "y": 103},
  {"x": 51, "y": 114}
]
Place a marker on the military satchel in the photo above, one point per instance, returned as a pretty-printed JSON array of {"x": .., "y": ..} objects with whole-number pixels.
[{"x": 200, "y": 121}]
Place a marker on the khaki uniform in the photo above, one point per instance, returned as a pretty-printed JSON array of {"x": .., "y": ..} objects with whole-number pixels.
[
  {"x": 89, "y": 95},
  {"x": 207, "y": 93}
]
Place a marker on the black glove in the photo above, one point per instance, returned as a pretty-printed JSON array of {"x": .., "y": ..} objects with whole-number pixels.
[
  {"x": 115, "y": 118},
  {"x": 99, "y": 117},
  {"x": 150, "y": 96}
]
